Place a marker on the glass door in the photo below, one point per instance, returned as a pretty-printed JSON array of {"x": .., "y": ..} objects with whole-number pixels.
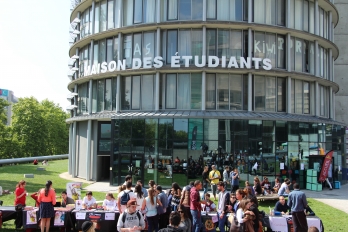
[{"x": 131, "y": 164}]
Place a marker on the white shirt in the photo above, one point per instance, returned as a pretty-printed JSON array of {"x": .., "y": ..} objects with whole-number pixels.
[
  {"x": 110, "y": 205},
  {"x": 87, "y": 202},
  {"x": 255, "y": 166},
  {"x": 139, "y": 202},
  {"x": 131, "y": 195}
]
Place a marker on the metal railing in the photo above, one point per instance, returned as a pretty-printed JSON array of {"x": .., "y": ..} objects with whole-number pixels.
[{"x": 31, "y": 159}]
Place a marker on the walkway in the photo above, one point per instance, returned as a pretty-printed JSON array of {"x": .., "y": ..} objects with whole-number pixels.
[{"x": 337, "y": 198}]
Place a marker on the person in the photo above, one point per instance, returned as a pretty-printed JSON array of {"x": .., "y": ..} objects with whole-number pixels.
[
  {"x": 139, "y": 196},
  {"x": 144, "y": 190},
  {"x": 254, "y": 168},
  {"x": 225, "y": 176},
  {"x": 176, "y": 196},
  {"x": 251, "y": 190},
  {"x": 281, "y": 206},
  {"x": 234, "y": 180},
  {"x": 223, "y": 200},
  {"x": 297, "y": 201},
  {"x": 254, "y": 208},
  {"x": 88, "y": 226},
  {"x": 20, "y": 199},
  {"x": 151, "y": 215},
  {"x": 89, "y": 202},
  {"x": 65, "y": 199},
  {"x": 276, "y": 186},
  {"x": 206, "y": 181},
  {"x": 174, "y": 222},
  {"x": 35, "y": 162},
  {"x": 284, "y": 188},
  {"x": 131, "y": 220},
  {"x": 45, "y": 162},
  {"x": 209, "y": 205},
  {"x": 195, "y": 206},
  {"x": 313, "y": 229},
  {"x": 185, "y": 198},
  {"x": 257, "y": 186},
  {"x": 240, "y": 194},
  {"x": 328, "y": 179},
  {"x": 266, "y": 185},
  {"x": 233, "y": 202},
  {"x": 241, "y": 217},
  {"x": 122, "y": 200},
  {"x": 47, "y": 199},
  {"x": 109, "y": 202},
  {"x": 214, "y": 177},
  {"x": 152, "y": 184},
  {"x": 185, "y": 222},
  {"x": 128, "y": 178},
  {"x": 164, "y": 200}
]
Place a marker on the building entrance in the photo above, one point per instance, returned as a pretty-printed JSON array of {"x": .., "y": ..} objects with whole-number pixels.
[{"x": 129, "y": 164}]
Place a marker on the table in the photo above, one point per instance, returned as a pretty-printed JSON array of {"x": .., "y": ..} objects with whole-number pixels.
[
  {"x": 284, "y": 223},
  {"x": 7, "y": 213},
  {"x": 106, "y": 220},
  {"x": 209, "y": 221}
]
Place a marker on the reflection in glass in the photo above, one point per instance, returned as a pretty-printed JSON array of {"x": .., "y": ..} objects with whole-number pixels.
[
  {"x": 222, "y": 91},
  {"x": 184, "y": 9},
  {"x": 127, "y": 12},
  {"x": 151, "y": 128},
  {"x": 235, "y": 92},
  {"x": 102, "y": 16},
  {"x": 171, "y": 91},
  {"x": 100, "y": 100},
  {"x": 281, "y": 94},
  {"x": 183, "y": 100},
  {"x": 138, "y": 11},
  {"x": 196, "y": 91},
  {"x": 137, "y": 45},
  {"x": 147, "y": 93},
  {"x": 127, "y": 50},
  {"x": 259, "y": 87},
  {"x": 270, "y": 94},
  {"x": 149, "y": 11},
  {"x": 96, "y": 17},
  {"x": 149, "y": 44},
  {"x": 111, "y": 14},
  {"x": 172, "y": 44},
  {"x": 210, "y": 92},
  {"x": 172, "y": 9},
  {"x": 125, "y": 93},
  {"x": 108, "y": 95},
  {"x": 136, "y": 92}
]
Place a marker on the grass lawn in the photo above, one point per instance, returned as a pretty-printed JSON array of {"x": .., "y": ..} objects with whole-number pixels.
[{"x": 333, "y": 219}]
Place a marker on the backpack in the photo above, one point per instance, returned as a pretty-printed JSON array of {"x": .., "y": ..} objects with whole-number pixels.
[
  {"x": 124, "y": 216},
  {"x": 125, "y": 197}
]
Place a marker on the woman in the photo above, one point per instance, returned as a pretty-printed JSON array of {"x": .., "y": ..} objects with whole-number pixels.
[
  {"x": 276, "y": 185},
  {"x": 20, "y": 198},
  {"x": 257, "y": 186},
  {"x": 152, "y": 185},
  {"x": 150, "y": 205},
  {"x": 247, "y": 185},
  {"x": 47, "y": 199},
  {"x": 234, "y": 180},
  {"x": 241, "y": 218},
  {"x": 185, "y": 223},
  {"x": 240, "y": 194},
  {"x": 109, "y": 202},
  {"x": 284, "y": 188},
  {"x": 139, "y": 196},
  {"x": 176, "y": 196}
]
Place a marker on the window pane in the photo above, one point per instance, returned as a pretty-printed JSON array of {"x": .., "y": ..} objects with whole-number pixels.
[
  {"x": 126, "y": 93},
  {"x": 184, "y": 9},
  {"x": 197, "y": 9},
  {"x": 292, "y": 95},
  {"x": 281, "y": 12},
  {"x": 95, "y": 53},
  {"x": 127, "y": 50},
  {"x": 305, "y": 16},
  {"x": 298, "y": 14},
  {"x": 138, "y": 11},
  {"x": 108, "y": 95},
  {"x": 102, "y": 17},
  {"x": 281, "y": 51},
  {"x": 245, "y": 91},
  {"x": 147, "y": 93},
  {"x": 270, "y": 40},
  {"x": 149, "y": 44},
  {"x": 236, "y": 10},
  {"x": 102, "y": 50},
  {"x": 259, "y": 14},
  {"x": 211, "y": 9},
  {"x": 306, "y": 98},
  {"x": 270, "y": 12},
  {"x": 223, "y": 43},
  {"x": 292, "y": 55},
  {"x": 270, "y": 94},
  {"x": 223, "y": 9},
  {"x": 127, "y": 12},
  {"x": 109, "y": 51},
  {"x": 258, "y": 45},
  {"x": 137, "y": 45},
  {"x": 171, "y": 91},
  {"x": 114, "y": 90},
  {"x": 116, "y": 49},
  {"x": 117, "y": 13},
  {"x": 235, "y": 92},
  {"x": 311, "y": 17},
  {"x": 149, "y": 11},
  {"x": 236, "y": 44},
  {"x": 96, "y": 17},
  {"x": 211, "y": 42},
  {"x": 311, "y": 58},
  {"x": 184, "y": 43},
  {"x": 298, "y": 55},
  {"x": 196, "y": 91},
  {"x": 135, "y": 92},
  {"x": 197, "y": 43},
  {"x": 183, "y": 91},
  {"x": 298, "y": 97},
  {"x": 172, "y": 9},
  {"x": 111, "y": 14},
  {"x": 94, "y": 96},
  {"x": 210, "y": 92},
  {"x": 259, "y": 93},
  {"x": 172, "y": 44},
  {"x": 222, "y": 91},
  {"x": 281, "y": 92},
  {"x": 100, "y": 101}
]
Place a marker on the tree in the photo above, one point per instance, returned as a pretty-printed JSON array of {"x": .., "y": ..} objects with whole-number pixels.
[{"x": 4, "y": 131}]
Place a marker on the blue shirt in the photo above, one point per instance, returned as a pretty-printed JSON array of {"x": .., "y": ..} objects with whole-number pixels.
[
  {"x": 297, "y": 201},
  {"x": 144, "y": 192},
  {"x": 234, "y": 181}
]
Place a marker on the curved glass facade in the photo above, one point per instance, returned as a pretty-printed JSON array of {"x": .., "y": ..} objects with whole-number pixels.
[{"x": 223, "y": 83}]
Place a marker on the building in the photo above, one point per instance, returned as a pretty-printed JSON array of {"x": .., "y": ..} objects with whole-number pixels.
[
  {"x": 11, "y": 99},
  {"x": 162, "y": 88}
]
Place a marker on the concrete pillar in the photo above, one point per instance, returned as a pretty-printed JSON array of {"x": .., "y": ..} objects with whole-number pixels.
[
  {"x": 288, "y": 97},
  {"x": 118, "y": 103},
  {"x": 88, "y": 153},
  {"x": 73, "y": 152},
  {"x": 203, "y": 89},
  {"x": 157, "y": 92},
  {"x": 250, "y": 92}
]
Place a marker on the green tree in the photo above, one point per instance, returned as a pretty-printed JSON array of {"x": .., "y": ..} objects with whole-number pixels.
[{"x": 5, "y": 138}]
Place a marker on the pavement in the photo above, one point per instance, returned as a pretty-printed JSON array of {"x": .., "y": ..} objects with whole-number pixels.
[{"x": 337, "y": 198}]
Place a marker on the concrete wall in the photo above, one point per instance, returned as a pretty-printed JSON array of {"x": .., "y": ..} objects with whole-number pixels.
[
  {"x": 81, "y": 149},
  {"x": 341, "y": 64}
]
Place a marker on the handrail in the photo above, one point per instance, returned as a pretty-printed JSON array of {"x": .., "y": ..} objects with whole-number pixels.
[{"x": 31, "y": 159}]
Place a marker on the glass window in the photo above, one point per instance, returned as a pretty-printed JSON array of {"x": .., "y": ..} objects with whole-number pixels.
[
  {"x": 117, "y": 13},
  {"x": 270, "y": 40},
  {"x": 293, "y": 95},
  {"x": 298, "y": 96},
  {"x": 172, "y": 44},
  {"x": 135, "y": 92},
  {"x": 222, "y": 91},
  {"x": 114, "y": 90},
  {"x": 281, "y": 91},
  {"x": 259, "y": 88},
  {"x": 281, "y": 12},
  {"x": 148, "y": 92},
  {"x": 298, "y": 55},
  {"x": 245, "y": 92},
  {"x": 236, "y": 92},
  {"x": 116, "y": 55},
  {"x": 223, "y": 43},
  {"x": 100, "y": 98},
  {"x": 281, "y": 51},
  {"x": 270, "y": 99},
  {"x": 298, "y": 14},
  {"x": 292, "y": 14},
  {"x": 125, "y": 93},
  {"x": 184, "y": 42},
  {"x": 83, "y": 98},
  {"x": 109, "y": 50},
  {"x": 102, "y": 16},
  {"x": 311, "y": 17},
  {"x": 108, "y": 95},
  {"x": 127, "y": 12},
  {"x": 321, "y": 21},
  {"x": 149, "y": 8},
  {"x": 223, "y": 10},
  {"x": 138, "y": 11},
  {"x": 184, "y": 9},
  {"x": 311, "y": 58},
  {"x": 137, "y": 45},
  {"x": 127, "y": 50},
  {"x": 172, "y": 9},
  {"x": 236, "y": 44},
  {"x": 149, "y": 45},
  {"x": 95, "y": 53},
  {"x": 111, "y": 14},
  {"x": 306, "y": 20},
  {"x": 183, "y": 101},
  {"x": 96, "y": 17},
  {"x": 210, "y": 92},
  {"x": 171, "y": 91},
  {"x": 197, "y": 43},
  {"x": 292, "y": 53},
  {"x": 211, "y": 9},
  {"x": 211, "y": 42},
  {"x": 306, "y": 98},
  {"x": 102, "y": 51},
  {"x": 197, "y": 9},
  {"x": 196, "y": 91},
  {"x": 94, "y": 96}
]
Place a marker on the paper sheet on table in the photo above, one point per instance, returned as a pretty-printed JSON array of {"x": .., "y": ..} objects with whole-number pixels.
[
  {"x": 314, "y": 222},
  {"x": 214, "y": 219},
  {"x": 278, "y": 224},
  {"x": 59, "y": 218},
  {"x": 81, "y": 216},
  {"x": 281, "y": 166},
  {"x": 302, "y": 166},
  {"x": 109, "y": 216},
  {"x": 31, "y": 217}
]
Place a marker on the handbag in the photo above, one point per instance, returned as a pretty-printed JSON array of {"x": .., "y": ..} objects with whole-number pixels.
[{"x": 19, "y": 207}]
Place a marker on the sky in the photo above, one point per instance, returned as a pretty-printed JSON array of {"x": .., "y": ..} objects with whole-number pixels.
[{"x": 34, "y": 49}]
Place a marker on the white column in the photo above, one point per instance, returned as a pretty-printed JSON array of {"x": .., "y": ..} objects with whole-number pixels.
[
  {"x": 332, "y": 103},
  {"x": 73, "y": 152},
  {"x": 331, "y": 67},
  {"x": 158, "y": 11},
  {"x": 288, "y": 52},
  {"x": 316, "y": 17},
  {"x": 204, "y": 18},
  {"x": 88, "y": 153},
  {"x": 90, "y": 96},
  {"x": 93, "y": 17},
  {"x": 316, "y": 58},
  {"x": 317, "y": 99},
  {"x": 330, "y": 26},
  {"x": 287, "y": 12},
  {"x": 250, "y": 12},
  {"x": 70, "y": 148},
  {"x": 250, "y": 42},
  {"x": 118, "y": 93},
  {"x": 250, "y": 92},
  {"x": 157, "y": 92},
  {"x": 203, "y": 90},
  {"x": 288, "y": 97},
  {"x": 158, "y": 41}
]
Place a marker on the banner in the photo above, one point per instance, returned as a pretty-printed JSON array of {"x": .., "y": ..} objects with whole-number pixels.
[
  {"x": 73, "y": 190},
  {"x": 31, "y": 217},
  {"x": 59, "y": 218},
  {"x": 326, "y": 166}
]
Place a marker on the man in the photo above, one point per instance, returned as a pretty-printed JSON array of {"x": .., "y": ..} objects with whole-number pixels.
[
  {"x": 195, "y": 206},
  {"x": 225, "y": 176},
  {"x": 254, "y": 168},
  {"x": 124, "y": 197},
  {"x": 131, "y": 220},
  {"x": 234, "y": 180},
  {"x": 214, "y": 177},
  {"x": 297, "y": 201},
  {"x": 281, "y": 206},
  {"x": 205, "y": 177},
  {"x": 66, "y": 200},
  {"x": 174, "y": 221},
  {"x": 329, "y": 176},
  {"x": 224, "y": 199},
  {"x": 128, "y": 178},
  {"x": 185, "y": 198},
  {"x": 139, "y": 182},
  {"x": 164, "y": 200}
]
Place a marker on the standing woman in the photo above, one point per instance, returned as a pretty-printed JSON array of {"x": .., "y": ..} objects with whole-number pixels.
[
  {"x": 185, "y": 223},
  {"x": 150, "y": 204},
  {"x": 176, "y": 196},
  {"x": 139, "y": 196},
  {"x": 47, "y": 199},
  {"x": 20, "y": 199}
]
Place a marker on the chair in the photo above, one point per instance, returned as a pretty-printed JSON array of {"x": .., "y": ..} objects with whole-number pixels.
[{"x": 1, "y": 202}]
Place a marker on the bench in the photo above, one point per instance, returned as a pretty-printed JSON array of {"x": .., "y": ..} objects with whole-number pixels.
[
  {"x": 269, "y": 197},
  {"x": 28, "y": 175},
  {"x": 41, "y": 169}
]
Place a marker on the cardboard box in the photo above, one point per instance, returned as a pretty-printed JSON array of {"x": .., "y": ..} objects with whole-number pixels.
[
  {"x": 309, "y": 172},
  {"x": 317, "y": 187},
  {"x": 309, "y": 186}
]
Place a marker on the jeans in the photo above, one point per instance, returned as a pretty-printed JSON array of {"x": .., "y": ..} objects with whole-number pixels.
[
  {"x": 153, "y": 223},
  {"x": 205, "y": 189},
  {"x": 222, "y": 222},
  {"x": 197, "y": 220}
]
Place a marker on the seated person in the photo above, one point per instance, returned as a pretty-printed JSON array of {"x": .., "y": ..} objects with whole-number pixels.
[
  {"x": 209, "y": 205},
  {"x": 284, "y": 188},
  {"x": 257, "y": 186},
  {"x": 276, "y": 185},
  {"x": 35, "y": 162},
  {"x": 266, "y": 185},
  {"x": 66, "y": 200},
  {"x": 281, "y": 206},
  {"x": 89, "y": 201}
]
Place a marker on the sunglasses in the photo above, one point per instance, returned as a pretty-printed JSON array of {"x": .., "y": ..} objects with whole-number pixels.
[
  {"x": 233, "y": 197},
  {"x": 180, "y": 211}
]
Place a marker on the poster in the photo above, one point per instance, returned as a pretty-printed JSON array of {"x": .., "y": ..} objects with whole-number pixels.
[
  {"x": 31, "y": 217},
  {"x": 281, "y": 166},
  {"x": 78, "y": 204},
  {"x": 59, "y": 218},
  {"x": 73, "y": 190}
]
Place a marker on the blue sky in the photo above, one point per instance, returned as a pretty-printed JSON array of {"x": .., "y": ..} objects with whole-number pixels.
[{"x": 34, "y": 45}]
